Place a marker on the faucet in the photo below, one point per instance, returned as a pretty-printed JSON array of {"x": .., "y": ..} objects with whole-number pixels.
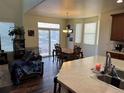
[
  {"x": 108, "y": 64},
  {"x": 114, "y": 72},
  {"x": 109, "y": 68}
]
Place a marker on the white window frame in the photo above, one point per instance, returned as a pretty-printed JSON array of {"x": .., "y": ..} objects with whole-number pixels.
[
  {"x": 49, "y": 25},
  {"x": 8, "y": 36},
  {"x": 95, "y": 41},
  {"x": 80, "y": 33}
]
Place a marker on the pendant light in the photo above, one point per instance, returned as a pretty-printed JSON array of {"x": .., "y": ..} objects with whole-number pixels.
[
  {"x": 119, "y": 1},
  {"x": 68, "y": 28}
]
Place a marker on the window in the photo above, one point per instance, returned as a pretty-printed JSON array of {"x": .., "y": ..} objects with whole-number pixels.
[
  {"x": 78, "y": 33},
  {"x": 48, "y": 25},
  {"x": 6, "y": 42},
  {"x": 90, "y": 33}
]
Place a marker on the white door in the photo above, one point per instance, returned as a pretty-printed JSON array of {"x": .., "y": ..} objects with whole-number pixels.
[
  {"x": 47, "y": 39},
  {"x": 44, "y": 42},
  {"x": 48, "y": 36}
]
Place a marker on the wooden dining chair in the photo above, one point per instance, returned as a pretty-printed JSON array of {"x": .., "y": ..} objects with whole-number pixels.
[
  {"x": 76, "y": 54},
  {"x": 57, "y": 44},
  {"x": 54, "y": 53},
  {"x": 61, "y": 57},
  {"x": 81, "y": 54},
  {"x": 58, "y": 53},
  {"x": 78, "y": 49}
]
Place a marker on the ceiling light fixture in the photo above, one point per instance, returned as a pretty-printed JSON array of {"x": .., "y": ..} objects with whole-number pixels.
[
  {"x": 119, "y": 1},
  {"x": 68, "y": 28}
]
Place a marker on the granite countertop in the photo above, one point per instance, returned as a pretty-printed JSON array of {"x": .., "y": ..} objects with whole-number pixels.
[{"x": 78, "y": 76}]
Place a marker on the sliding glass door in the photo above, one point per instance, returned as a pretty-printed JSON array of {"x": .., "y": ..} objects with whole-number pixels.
[
  {"x": 47, "y": 39},
  {"x": 54, "y": 37},
  {"x": 44, "y": 42}
]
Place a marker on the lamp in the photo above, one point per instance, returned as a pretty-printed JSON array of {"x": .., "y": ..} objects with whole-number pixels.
[{"x": 68, "y": 30}]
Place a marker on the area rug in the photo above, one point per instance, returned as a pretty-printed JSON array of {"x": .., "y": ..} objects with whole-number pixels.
[{"x": 4, "y": 76}]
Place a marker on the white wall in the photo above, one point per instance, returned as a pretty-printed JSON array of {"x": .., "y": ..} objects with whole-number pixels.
[
  {"x": 11, "y": 11},
  {"x": 88, "y": 50},
  {"x": 29, "y": 4},
  {"x": 104, "y": 43},
  {"x": 70, "y": 44},
  {"x": 30, "y": 23}
]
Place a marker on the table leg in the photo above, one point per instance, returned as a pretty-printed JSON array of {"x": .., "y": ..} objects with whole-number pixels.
[
  {"x": 69, "y": 91},
  {"x": 59, "y": 88},
  {"x": 55, "y": 84},
  {"x": 53, "y": 54},
  {"x": 81, "y": 53}
]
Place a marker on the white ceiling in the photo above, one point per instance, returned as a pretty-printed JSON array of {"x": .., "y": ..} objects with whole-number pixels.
[{"x": 74, "y": 8}]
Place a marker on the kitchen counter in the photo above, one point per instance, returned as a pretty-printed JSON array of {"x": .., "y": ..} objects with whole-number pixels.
[
  {"x": 118, "y": 52},
  {"x": 78, "y": 77}
]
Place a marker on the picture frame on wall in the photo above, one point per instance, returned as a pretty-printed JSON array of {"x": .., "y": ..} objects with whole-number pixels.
[{"x": 30, "y": 32}]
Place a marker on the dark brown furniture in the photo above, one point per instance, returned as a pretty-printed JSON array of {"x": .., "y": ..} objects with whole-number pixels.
[
  {"x": 59, "y": 53},
  {"x": 54, "y": 52},
  {"x": 67, "y": 54},
  {"x": 117, "y": 31},
  {"x": 19, "y": 47},
  {"x": 116, "y": 55},
  {"x": 3, "y": 58},
  {"x": 73, "y": 54}
]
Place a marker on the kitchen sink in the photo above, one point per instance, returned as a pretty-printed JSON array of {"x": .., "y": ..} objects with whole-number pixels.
[
  {"x": 105, "y": 78},
  {"x": 117, "y": 82},
  {"x": 120, "y": 73}
]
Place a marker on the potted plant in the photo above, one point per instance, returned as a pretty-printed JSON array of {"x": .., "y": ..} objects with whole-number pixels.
[{"x": 16, "y": 32}]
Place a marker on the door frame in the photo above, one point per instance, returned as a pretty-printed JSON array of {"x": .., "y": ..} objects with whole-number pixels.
[{"x": 49, "y": 31}]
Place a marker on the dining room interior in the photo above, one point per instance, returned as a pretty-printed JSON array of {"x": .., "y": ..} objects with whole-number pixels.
[{"x": 58, "y": 46}]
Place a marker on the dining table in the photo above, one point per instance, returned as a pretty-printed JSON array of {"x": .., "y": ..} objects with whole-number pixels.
[
  {"x": 65, "y": 51},
  {"x": 68, "y": 52}
]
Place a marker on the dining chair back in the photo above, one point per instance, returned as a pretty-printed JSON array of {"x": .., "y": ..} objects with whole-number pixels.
[
  {"x": 57, "y": 45},
  {"x": 76, "y": 53},
  {"x": 58, "y": 50}
]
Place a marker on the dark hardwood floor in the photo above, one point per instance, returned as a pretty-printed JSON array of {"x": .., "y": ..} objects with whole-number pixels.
[{"x": 38, "y": 84}]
